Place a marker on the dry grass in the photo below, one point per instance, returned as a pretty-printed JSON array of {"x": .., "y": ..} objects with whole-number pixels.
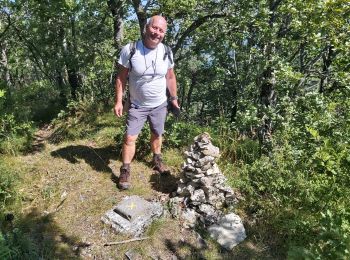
[{"x": 68, "y": 187}]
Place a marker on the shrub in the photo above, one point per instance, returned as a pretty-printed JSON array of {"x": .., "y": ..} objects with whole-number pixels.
[
  {"x": 27, "y": 104},
  {"x": 179, "y": 133},
  {"x": 15, "y": 136},
  {"x": 84, "y": 119},
  {"x": 14, "y": 244},
  {"x": 7, "y": 182},
  {"x": 300, "y": 190}
]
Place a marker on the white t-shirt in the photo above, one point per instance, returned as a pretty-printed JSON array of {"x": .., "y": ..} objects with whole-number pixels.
[{"x": 147, "y": 83}]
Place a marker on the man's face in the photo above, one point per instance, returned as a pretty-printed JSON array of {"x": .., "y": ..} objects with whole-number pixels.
[{"x": 155, "y": 32}]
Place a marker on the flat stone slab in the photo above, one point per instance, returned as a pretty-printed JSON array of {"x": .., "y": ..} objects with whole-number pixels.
[
  {"x": 132, "y": 215},
  {"x": 133, "y": 207},
  {"x": 229, "y": 231}
]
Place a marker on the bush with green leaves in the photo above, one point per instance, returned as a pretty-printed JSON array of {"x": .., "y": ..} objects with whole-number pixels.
[
  {"x": 82, "y": 119},
  {"x": 180, "y": 133},
  {"x": 7, "y": 182},
  {"x": 14, "y": 244},
  {"x": 301, "y": 189},
  {"x": 15, "y": 136},
  {"x": 37, "y": 101}
]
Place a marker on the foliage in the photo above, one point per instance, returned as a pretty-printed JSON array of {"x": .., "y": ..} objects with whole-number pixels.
[
  {"x": 7, "y": 182},
  {"x": 16, "y": 245},
  {"x": 85, "y": 119},
  {"x": 15, "y": 136},
  {"x": 179, "y": 133},
  {"x": 300, "y": 190},
  {"x": 332, "y": 242}
]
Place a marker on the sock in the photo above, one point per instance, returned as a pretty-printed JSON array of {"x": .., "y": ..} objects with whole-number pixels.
[
  {"x": 157, "y": 156},
  {"x": 126, "y": 166}
]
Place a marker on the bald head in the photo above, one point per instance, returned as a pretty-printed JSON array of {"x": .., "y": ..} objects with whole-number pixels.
[
  {"x": 157, "y": 19},
  {"x": 155, "y": 31}
]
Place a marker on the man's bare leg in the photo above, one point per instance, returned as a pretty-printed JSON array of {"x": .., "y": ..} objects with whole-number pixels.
[
  {"x": 128, "y": 153},
  {"x": 156, "y": 143},
  {"x": 129, "y": 148},
  {"x": 156, "y": 147}
]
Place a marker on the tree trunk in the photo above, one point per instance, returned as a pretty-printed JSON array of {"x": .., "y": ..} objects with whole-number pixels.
[
  {"x": 302, "y": 57},
  {"x": 60, "y": 67},
  {"x": 234, "y": 106},
  {"x": 327, "y": 61},
  {"x": 72, "y": 63},
  {"x": 4, "y": 64},
  {"x": 267, "y": 85},
  {"x": 74, "y": 82},
  {"x": 117, "y": 10},
  {"x": 267, "y": 89},
  {"x": 141, "y": 13},
  {"x": 190, "y": 91}
]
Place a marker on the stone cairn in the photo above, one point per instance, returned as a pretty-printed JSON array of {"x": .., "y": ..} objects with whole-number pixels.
[{"x": 201, "y": 193}]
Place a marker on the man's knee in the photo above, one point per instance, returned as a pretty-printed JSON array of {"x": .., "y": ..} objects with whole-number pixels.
[{"x": 130, "y": 140}]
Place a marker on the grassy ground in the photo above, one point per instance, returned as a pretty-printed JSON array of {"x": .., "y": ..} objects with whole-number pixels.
[{"x": 66, "y": 188}]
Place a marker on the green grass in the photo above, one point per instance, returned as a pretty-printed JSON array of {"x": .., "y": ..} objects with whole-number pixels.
[{"x": 155, "y": 227}]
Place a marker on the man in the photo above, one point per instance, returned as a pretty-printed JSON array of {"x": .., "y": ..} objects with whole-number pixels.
[{"x": 150, "y": 74}]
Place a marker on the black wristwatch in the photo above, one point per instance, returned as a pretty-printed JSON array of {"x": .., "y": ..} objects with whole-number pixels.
[{"x": 172, "y": 98}]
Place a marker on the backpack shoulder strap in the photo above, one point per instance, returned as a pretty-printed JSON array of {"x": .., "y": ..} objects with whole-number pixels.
[
  {"x": 167, "y": 53},
  {"x": 132, "y": 52}
]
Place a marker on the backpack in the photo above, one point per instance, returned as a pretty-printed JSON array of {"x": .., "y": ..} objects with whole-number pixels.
[{"x": 167, "y": 53}]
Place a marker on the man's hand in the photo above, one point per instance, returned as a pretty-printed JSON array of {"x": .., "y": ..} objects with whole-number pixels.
[
  {"x": 174, "y": 108},
  {"x": 175, "y": 103},
  {"x": 119, "y": 89},
  {"x": 118, "y": 109}
]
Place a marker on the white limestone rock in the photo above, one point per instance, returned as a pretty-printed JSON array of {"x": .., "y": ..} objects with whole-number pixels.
[
  {"x": 189, "y": 217},
  {"x": 229, "y": 231},
  {"x": 210, "y": 150},
  {"x": 198, "y": 196},
  {"x": 133, "y": 216},
  {"x": 175, "y": 206},
  {"x": 207, "y": 209},
  {"x": 205, "y": 181}
]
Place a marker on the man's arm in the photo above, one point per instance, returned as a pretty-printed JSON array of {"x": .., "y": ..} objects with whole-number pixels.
[
  {"x": 171, "y": 84},
  {"x": 120, "y": 84}
]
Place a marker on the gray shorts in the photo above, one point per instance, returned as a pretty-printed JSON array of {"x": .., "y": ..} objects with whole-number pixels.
[{"x": 138, "y": 116}]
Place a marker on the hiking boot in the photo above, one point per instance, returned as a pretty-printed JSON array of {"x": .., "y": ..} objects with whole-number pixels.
[
  {"x": 159, "y": 166},
  {"x": 124, "y": 178}
]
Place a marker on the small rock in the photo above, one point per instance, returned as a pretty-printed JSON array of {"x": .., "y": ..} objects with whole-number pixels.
[
  {"x": 206, "y": 181},
  {"x": 211, "y": 150},
  {"x": 189, "y": 217},
  {"x": 131, "y": 254},
  {"x": 198, "y": 196},
  {"x": 201, "y": 242}
]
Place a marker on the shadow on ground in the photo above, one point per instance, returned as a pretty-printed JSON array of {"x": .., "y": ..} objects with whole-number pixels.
[
  {"x": 175, "y": 248},
  {"x": 243, "y": 251},
  {"x": 37, "y": 236},
  {"x": 165, "y": 183},
  {"x": 97, "y": 158}
]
